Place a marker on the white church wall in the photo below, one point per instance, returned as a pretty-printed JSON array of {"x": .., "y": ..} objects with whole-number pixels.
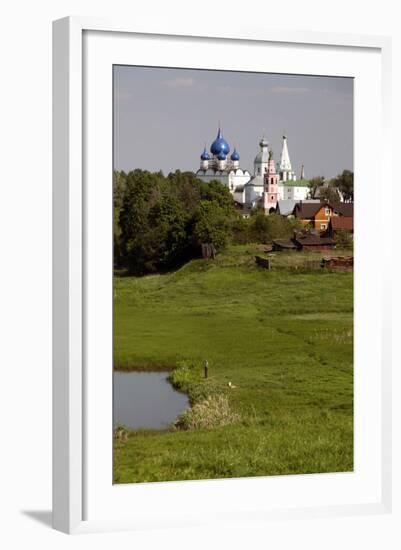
[
  {"x": 234, "y": 180},
  {"x": 239, "y": 196},
  {"x": 252, "y": 193},
  {"x": 298, "y": 193}
]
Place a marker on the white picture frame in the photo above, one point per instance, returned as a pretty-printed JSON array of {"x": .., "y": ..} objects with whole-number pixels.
[{"x": 74, "y": 475}]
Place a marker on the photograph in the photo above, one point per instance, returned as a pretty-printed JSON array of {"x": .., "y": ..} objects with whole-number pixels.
[
  {"x": 233, "y": 298},
  {"x": 192, "y": 357}
]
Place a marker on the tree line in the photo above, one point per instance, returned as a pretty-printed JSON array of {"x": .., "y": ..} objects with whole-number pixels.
[
  {"x": 160, "y": 222},
  {"x": 335, "y": 189}
]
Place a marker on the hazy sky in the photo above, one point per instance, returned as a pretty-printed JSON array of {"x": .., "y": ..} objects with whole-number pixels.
[{"x": 164, "y": 117}]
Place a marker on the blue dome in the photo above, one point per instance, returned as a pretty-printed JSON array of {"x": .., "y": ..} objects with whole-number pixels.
[
  {"x": 235, "y": 155},
  {"x": 219, "y": 145},
  {"x": 222, "y": 156},
  {"x": 205, "y": 155}
]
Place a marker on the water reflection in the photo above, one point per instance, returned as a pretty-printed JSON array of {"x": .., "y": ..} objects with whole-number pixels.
[{"x": 146, "y": 400}]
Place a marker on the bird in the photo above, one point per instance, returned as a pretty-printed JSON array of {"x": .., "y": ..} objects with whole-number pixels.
[{"x": 231, "y": 386}]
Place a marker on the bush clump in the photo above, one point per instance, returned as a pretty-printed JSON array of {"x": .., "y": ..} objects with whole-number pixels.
[
  {"x": 212, "y": 412},
  {"x": 120, "y": 433},
  {"x": 184, "y": 375},
  {"x": 344, "y": 240},
  {"x": 187, "y": 377}
]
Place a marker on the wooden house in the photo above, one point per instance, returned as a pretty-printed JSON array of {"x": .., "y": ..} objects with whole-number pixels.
[
  {"x": 304, "y": 241},
  {"x": 340, "y": 223},
  {"x": 284, "y": 244},
  {"x": 313, "y": 242},
  {"x": 318, "y": 215}
]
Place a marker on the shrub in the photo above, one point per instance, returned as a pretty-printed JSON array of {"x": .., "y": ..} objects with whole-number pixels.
[
  {"x": 240, "y": 230},
  {"x": 188, "y": 378},
  {"x": 210, "y": 413},
  {"x": 120, "y": 433},
  {"x": 266, "y": 228},
  {"x": 181, "y": 376},
  {"x": 344, "y": 240}
]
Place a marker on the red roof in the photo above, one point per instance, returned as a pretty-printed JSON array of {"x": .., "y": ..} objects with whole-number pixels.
[
  {"x": 307, "y": 210},
  {"x": 344, "y": 208}
]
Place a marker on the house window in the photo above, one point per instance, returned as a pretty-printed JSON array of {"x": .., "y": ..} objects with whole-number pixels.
[
  {"x": 327, "y": 211},
  {"x": 323, "y": 226}
]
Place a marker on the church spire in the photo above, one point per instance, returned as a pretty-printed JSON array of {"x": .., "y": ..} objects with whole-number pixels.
[{"x": 285, "y": 163}]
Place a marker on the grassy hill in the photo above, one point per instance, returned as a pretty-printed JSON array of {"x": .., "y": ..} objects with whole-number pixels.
[{"x": 282, "y": 337}]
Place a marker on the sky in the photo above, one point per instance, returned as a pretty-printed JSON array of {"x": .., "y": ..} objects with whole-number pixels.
[{"x": 164, "y": 117}]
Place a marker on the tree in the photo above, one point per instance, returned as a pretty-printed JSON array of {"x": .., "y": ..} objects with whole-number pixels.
[
  {"x": 142, "y": 192},
  {"x": 186, "y": 187},
  {"x": 314, "y": 184},
  {"x": 345, "y": 184},
  {"x": 167, "y": 225},
  {"x": 211, "y": 224},
  {"x": 219, "y": 193},
  {"x": 329, "y": 193},
  {"x": 119, "y": 180},
  {"x": 260, "y": 226},
  {"x": 159, "y": 222},
  {"x": 240, "y": 233},
  {"x": 266, "y": 228}
]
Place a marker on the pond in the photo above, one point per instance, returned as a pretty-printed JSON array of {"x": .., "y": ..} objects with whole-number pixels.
[{"x": 146, "y": 400}]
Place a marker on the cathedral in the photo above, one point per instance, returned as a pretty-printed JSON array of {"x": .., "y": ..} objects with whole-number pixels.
[
  {"x": 220, "y": 165},
  {"x": 269, "y": 182}
]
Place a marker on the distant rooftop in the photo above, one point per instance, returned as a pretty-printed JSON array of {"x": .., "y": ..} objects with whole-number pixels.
[
  {"x": 344, "y": 208},
  {"x": 285, "y": 207},
  {"x": 296, "y": 183},
  {"x": 307, "y": 210}
]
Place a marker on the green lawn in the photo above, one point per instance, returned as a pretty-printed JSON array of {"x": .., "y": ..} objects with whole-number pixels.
[{"x": 282, "y": 337}]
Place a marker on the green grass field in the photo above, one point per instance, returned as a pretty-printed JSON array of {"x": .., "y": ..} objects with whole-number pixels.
[{"x": 283, "y": 337}]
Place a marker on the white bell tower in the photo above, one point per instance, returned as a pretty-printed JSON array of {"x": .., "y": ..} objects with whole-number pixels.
[{"x": 286, "y": 173}]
